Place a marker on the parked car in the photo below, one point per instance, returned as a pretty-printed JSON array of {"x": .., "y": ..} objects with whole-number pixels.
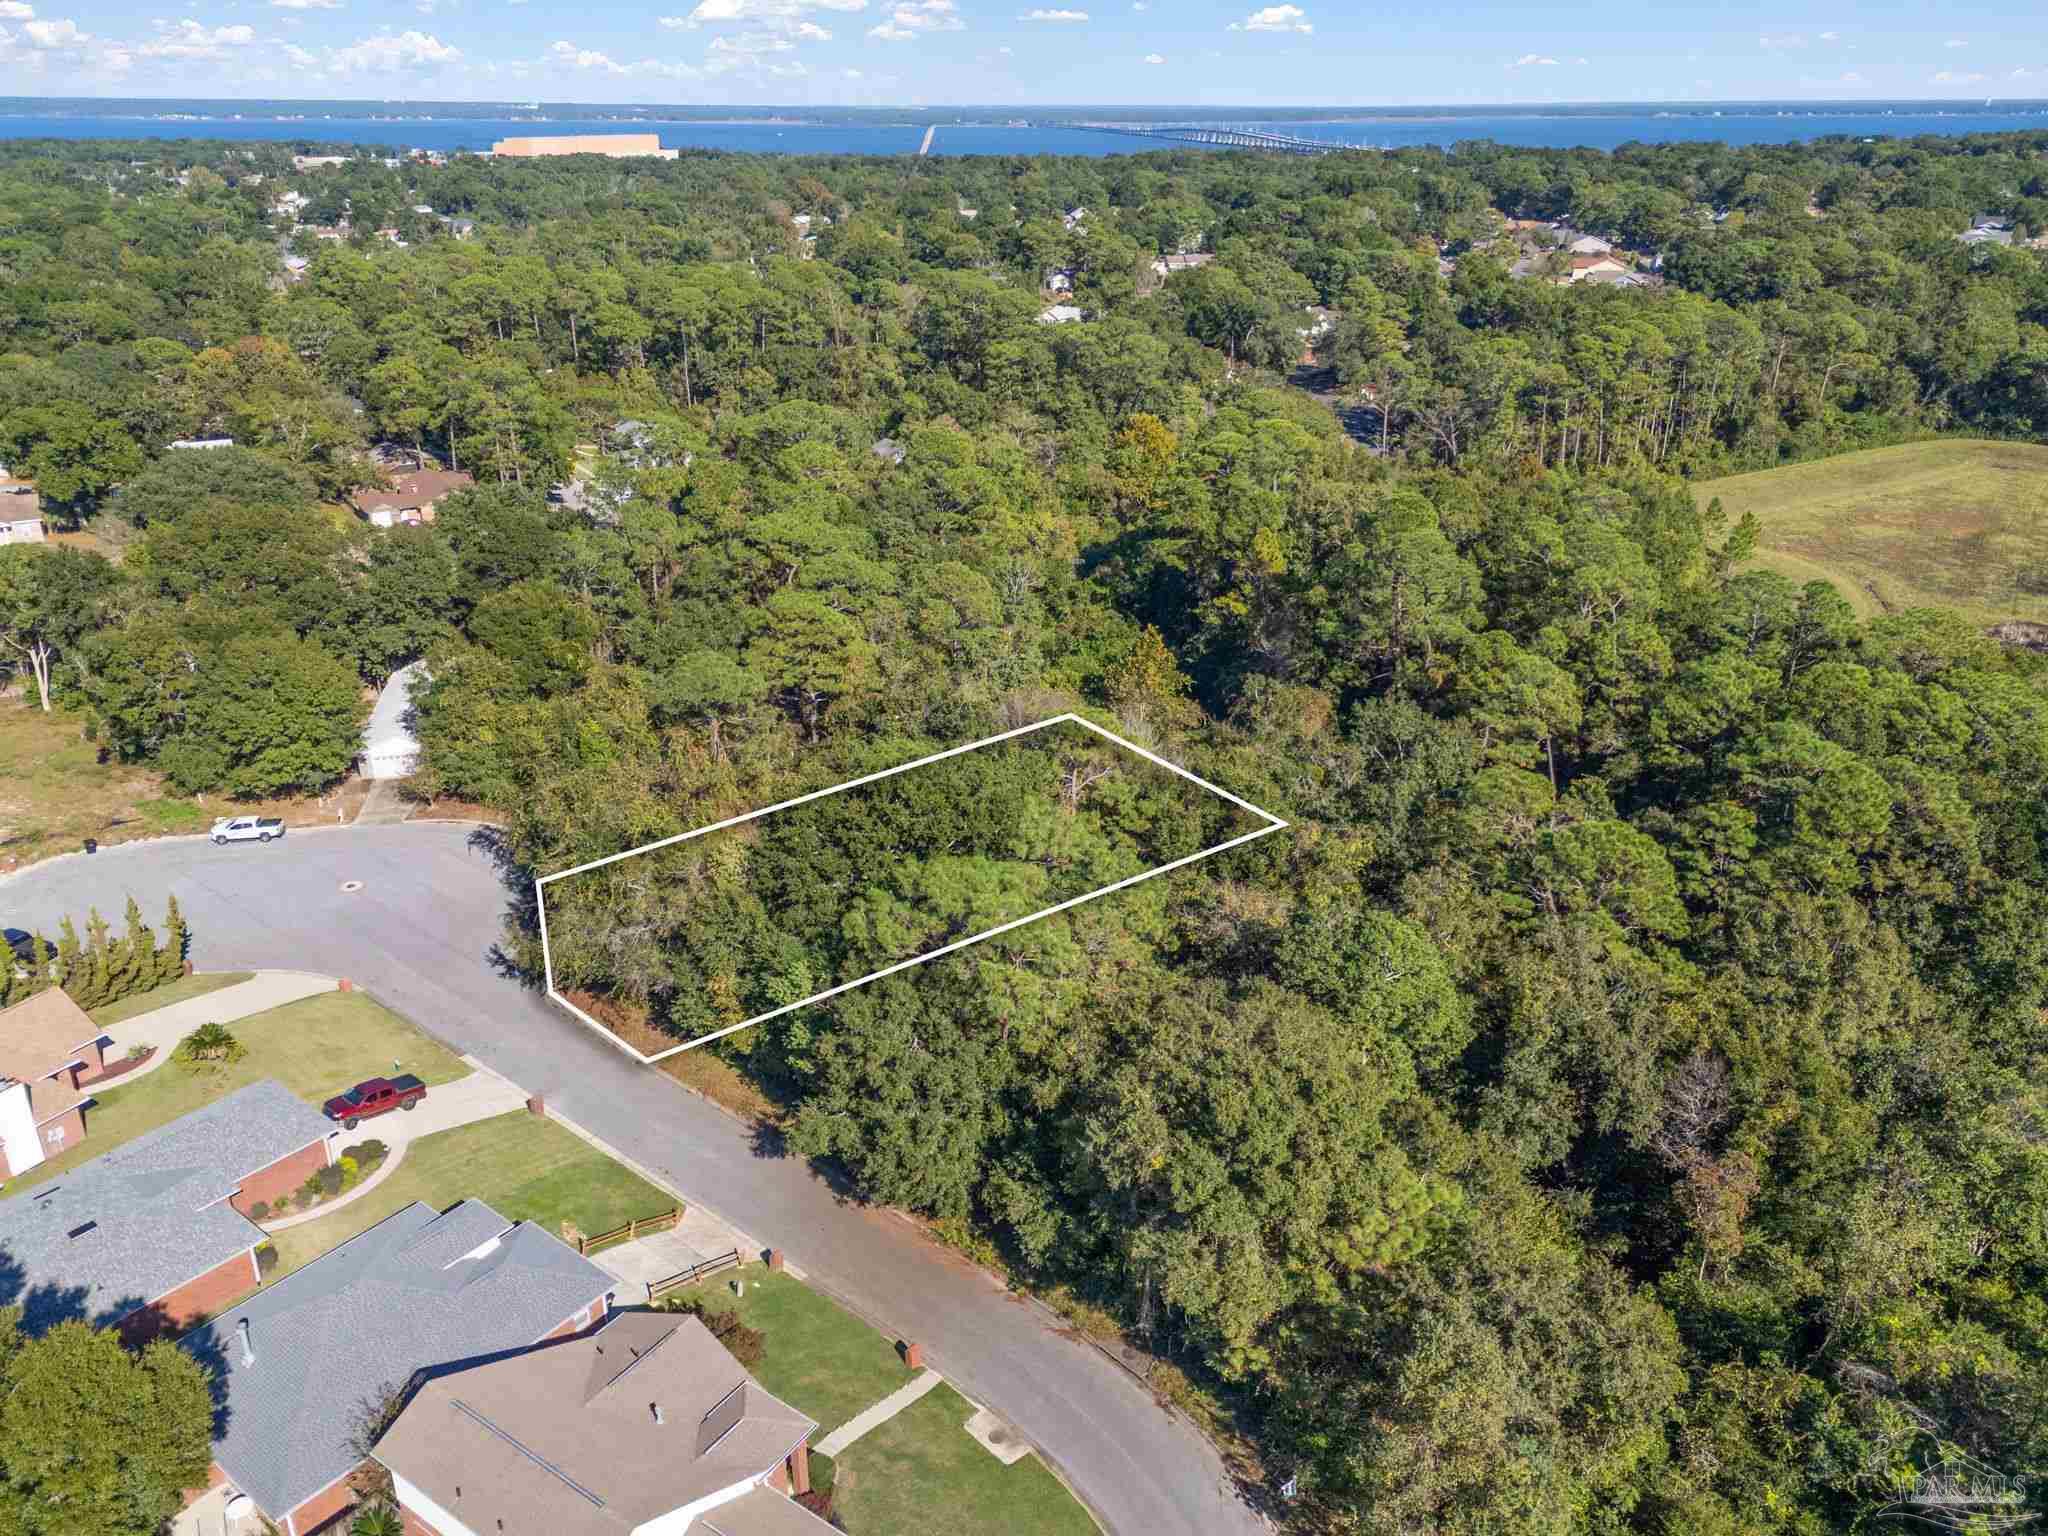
[
  {"x": 243, "y": 829},
  {"x": 23, "y": 947},
  {"x": 375, "y": 1096}
]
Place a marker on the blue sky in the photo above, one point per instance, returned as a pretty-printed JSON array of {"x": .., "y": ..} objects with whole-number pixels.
[{"x": 877, "y": 52}]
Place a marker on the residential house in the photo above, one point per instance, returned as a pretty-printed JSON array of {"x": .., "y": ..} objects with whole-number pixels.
[
  {"x": 1180, "y": 261},
  {"x": 295, "y": 268},
  {"x": 1059, "y": 314},
  {"x": 1590, "y": 245},
  {"x": 426, "y": 210},
  {"x": 1060, "y": 280},
  {"x": 970, "y": 214},
  {"x": 889, "y": 450},
  {"x": 461, "y": 229},
  {"x": 1585, "y": 267},
  {"x": 49, "y": 1052},
  {"x": 801, "y": 220},
  {"x": 21, "y": 512},
  {"x": 301, "y": 1363},
  {"x": 409, "y": 496},
  {"x": 1073, "y": 218},
  {"x": 157, "y": 1233},
  {"x": 315, "y": 162},
  {"x": 1987, "y": 229},
  {"x": 204, "y": 442},
  {"x": 647, "y": 1425}
]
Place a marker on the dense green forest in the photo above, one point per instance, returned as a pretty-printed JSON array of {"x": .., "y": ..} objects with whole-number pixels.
[{"x": 1613, "y": 1105}]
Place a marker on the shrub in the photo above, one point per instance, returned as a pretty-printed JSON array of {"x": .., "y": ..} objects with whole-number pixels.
[
  {"x": 367, "y": 1154},
  {"x": 210, "y": 1048},
  {"x": 328, "y": 1180},
  {"x": 746, "y": 1345},
  {"x": 351, "y": 1171},
  {"x": 266, "y": 1259},
  {"x": 140, "y": 1052},
  {"x": 309, "y": 1192},
  {"x": 259, "y": 1210}
]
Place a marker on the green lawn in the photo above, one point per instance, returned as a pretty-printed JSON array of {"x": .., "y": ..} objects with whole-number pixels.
[
  {"x": 315, "y": 1047},
  {"x": 181, "y": 990},
  {"x": 821, "y": 1360},
  {"x": 1950, "y": 524},
  {"x": 922, "y": 1474},
  {"x": 526, "y": 1168}
]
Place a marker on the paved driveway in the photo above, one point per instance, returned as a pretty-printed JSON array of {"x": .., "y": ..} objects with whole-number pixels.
[{"x": 419, "y": 935}]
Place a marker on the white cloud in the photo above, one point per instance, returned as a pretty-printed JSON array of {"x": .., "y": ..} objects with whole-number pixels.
[
  {"x": 1957, "y": 42},
  {"x": 752, "y": 42},
  {"x": 1042, "y": 14},
  {"x": 2022, "y": 73},
  {"x": 1533, "y": 61},
  {"x": 715, "y": 13},
  {"x": 1275, "y": 18},
  {"x": 306, "y": 5},
  {"x": 1155, "y": 58},
  {"x": 188, "y": 39},
  {"x": 1138, "y": 5},
  {"x": 1847, "y": 77},
  {"x": 565, "y": 55},
  {"x": 393, "y": 50},
  {"x": 56, "y": 36},
  {"x": 1955, "y": 77},
  {"x": 1831, "y": 37},
  {"x": 851, "y": 74},
  {"x": 1781, "y": 40},
  {"x": 14, "y": 10},
  {"x": 907, "y": 21},
  {"x": 811, "y": 32},
  {"x": 301, "y": 58}
]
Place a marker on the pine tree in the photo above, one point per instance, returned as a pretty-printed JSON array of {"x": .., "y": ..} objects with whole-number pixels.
[
  {"x": 131, "y": 964},
  {"x": 68, "y": 952},
  {"x": 88, "y": 988},
  {"x": 170, "y": 960}
]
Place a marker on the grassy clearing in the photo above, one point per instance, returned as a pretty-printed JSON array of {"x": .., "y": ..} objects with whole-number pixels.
[
  {"x": 55, "y": 792},
  {"x": 524, "y": 1167},
  {"x": 181, "y": 990},
  {"x": 821, "y": 1360},
  {"x": 315, "y": 1047},
  {"x": 922, "y": 1474},
  {"x": 1950, "y": 524}
]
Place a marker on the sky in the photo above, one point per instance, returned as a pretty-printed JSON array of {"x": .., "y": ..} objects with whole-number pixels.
[{"x": 912, "y": 52}]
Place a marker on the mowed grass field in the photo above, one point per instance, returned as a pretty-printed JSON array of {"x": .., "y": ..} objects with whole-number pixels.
[{"x": 1951, "y": 524}]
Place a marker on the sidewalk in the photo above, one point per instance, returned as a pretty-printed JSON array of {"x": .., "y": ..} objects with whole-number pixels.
[
  {"x": 483, "y": 1095},
  {"x": 880, "y": 1414},
  {"x": 165, "y": 1027}
]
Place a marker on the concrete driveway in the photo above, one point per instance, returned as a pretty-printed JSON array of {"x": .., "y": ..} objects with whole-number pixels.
[{"x": 420, "y": 933}]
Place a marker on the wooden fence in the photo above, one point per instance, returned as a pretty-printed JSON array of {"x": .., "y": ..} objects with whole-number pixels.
[
  {"x": 665, "y": 1222},
  {"x": 656, "y": 1289}
]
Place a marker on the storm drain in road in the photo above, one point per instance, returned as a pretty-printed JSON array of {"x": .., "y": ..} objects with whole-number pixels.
[{"x": 350, "y": 887}]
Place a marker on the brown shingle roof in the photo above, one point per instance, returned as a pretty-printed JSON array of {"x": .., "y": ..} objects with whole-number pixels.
[
  {"x": 42, "y": 1035},
  {"x": 412, "y": 488},
  {"x": 566, "y": 1438}
]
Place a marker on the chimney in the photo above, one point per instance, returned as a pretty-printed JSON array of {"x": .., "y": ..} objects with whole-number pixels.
[
  {"x": 657, "y": 1412},
  {"x": 248, "y": 1349}
]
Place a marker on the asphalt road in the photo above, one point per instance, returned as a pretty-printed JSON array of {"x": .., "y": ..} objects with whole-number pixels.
[{"x": 419, "y": 935}]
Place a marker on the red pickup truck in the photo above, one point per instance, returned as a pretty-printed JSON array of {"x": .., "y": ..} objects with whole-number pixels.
[{"x": 374, "y": 1097}]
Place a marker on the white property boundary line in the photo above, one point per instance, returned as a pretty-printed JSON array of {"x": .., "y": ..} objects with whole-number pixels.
[{"x": 1273, "y": 824}]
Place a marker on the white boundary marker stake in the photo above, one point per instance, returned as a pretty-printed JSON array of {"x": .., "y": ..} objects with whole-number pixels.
[{"x": 1273, "y": 824}]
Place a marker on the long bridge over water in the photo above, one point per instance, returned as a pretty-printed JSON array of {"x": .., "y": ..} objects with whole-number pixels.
[{"x": 1215, "y": 136}]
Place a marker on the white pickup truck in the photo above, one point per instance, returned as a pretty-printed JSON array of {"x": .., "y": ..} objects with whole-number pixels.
[{"x": 243, "y": 829}]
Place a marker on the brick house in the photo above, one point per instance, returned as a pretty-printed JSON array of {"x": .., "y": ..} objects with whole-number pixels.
[
  {"x": 302, "y": 1364},
  {"x": 156, "y": 1234},
  {"x": 648, "y": 1424},
  {"x": 49, "y": 1052},
  {"x": 409, "y": 496}
]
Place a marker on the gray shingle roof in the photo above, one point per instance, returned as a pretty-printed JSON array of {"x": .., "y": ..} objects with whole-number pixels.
[
  {"x": 417, "y": 1292},
  {"x": 120, "y": 1231}
]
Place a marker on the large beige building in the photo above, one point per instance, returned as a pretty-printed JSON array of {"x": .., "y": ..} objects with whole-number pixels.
[{"x": 618, "y": 145}]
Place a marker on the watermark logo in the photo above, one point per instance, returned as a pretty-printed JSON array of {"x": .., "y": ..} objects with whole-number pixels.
[{"x": 1959, "y": 1494}]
